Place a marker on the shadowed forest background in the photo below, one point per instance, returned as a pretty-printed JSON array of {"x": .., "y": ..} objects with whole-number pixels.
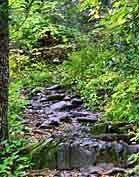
[{"x": 88, "y": 48}]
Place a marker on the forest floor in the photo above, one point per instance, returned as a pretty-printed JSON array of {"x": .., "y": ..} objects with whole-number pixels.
[{"x": 88, "y": 146}]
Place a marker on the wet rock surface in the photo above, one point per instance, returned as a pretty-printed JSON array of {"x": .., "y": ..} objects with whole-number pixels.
[{"x": 83, "y": 142}]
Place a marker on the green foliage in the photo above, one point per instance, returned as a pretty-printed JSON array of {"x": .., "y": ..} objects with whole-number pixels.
[
  {"x": 24, "y": 75},
  {"x": 78, "y": 61},
  {"x": 135, "y": 135},
  {"x": 124, "y": 104},
  {"x": 30, "y": 20},
  {"x": 13, "y": 163},
  {"x": 135, "y": 170},
  {"x": 16, "y": 103},
  {"x": 105, "y": 70},
  {"x": 99, "y": 90},
  {"x": 106, "y": 78},
  {"x": 18, "y": 63},
  {"x": 26, "y": 22},
  {"x": 134, "y": 158},
  {"x": 121, "y": 19}
]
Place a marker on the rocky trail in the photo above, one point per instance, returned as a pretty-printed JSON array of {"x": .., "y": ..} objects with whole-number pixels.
[{"x": 72, "y": 141}]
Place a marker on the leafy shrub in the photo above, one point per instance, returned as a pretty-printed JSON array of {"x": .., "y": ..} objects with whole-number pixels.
[
  {"x": 77, "y": 63},
  {"x": 99, "y": 90},
  {"x": 134, "y": 158},
  {"x": 30, "y": 20},
  {"x": 13, "y": 163},
  {"x": 16, "y": 103},
  {"x": 18, "y": 63},
  {"x": 124, "y": 103},
  {"x": 30, "y": 77},
  {"x": 106, "y": 78}
]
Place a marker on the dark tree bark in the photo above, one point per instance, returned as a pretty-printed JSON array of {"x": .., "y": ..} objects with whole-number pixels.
[{"x": 4, "y": 69}]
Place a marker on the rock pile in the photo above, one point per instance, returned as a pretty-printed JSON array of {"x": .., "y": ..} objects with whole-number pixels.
[{"x": 75, "y": 137}]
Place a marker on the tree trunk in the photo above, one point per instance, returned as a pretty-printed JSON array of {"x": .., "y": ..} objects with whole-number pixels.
[{"x": 4, "y": 69}]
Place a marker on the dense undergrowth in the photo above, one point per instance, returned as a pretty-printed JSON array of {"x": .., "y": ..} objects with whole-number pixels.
[
  {"x": 106, "y": 68},
  {"x": 103, "y": 68},
  {"x": 107, "y": 80}
]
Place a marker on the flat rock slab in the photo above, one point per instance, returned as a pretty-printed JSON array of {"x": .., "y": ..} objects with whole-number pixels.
[
  {"x": 62, "y": 105},
  {"x": 54, "y": 87}
]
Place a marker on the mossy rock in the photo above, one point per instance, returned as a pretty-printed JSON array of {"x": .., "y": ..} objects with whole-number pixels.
[
  {"x": 108, "y": 127},
  {"x": 112, "y": 155},
  {"x": 44, "y": 155}
]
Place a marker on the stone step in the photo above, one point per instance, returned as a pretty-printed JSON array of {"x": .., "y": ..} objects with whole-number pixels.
[
  {"x": 73, "y": 136},
  {"x": 82, "y": 153}
]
